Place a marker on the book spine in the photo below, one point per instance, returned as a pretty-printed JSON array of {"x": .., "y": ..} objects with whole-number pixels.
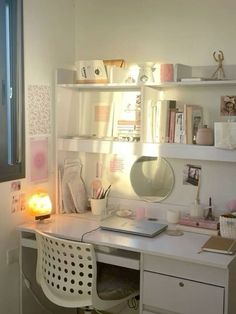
[
  {"x": 179, "y": 128},
  {"x": 172, "y": 126}
]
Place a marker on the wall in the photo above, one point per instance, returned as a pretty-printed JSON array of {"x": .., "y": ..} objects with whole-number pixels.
[
  {"x": 49, "y": 43},
  {"x": 172, "y": 31},
  {"x": 177, "y": 31}
]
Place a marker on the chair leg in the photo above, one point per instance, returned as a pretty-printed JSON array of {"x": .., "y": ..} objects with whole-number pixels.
[{"x": 88, "y": 311}]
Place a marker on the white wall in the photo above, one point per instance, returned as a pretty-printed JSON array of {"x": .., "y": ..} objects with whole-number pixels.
[
  {"x": 177, "y": 31},
  {"x": 49, "y": 42},
  {"x": 172, "y": 31}
]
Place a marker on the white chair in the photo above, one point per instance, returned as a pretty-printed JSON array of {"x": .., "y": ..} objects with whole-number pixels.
[{"x": 68, "y": 274}]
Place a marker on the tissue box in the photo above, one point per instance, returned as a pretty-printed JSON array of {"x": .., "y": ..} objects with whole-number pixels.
[{"x": 225, "y": 135}]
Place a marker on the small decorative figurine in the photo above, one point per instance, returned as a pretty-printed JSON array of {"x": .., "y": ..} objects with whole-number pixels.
[
  {"x": 209, "y": 215},
  {"x": 219, "y": 73}
]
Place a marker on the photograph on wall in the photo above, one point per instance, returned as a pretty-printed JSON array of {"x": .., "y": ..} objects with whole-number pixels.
[
  {"x": 191, "y": 174},
  {"x": 228, "y": 106}
]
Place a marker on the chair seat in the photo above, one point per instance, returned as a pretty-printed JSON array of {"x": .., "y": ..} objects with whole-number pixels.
[{"x": 114, "y": 283}]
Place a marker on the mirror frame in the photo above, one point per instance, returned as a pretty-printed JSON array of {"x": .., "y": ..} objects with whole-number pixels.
[{"x": 158, "y": 199}]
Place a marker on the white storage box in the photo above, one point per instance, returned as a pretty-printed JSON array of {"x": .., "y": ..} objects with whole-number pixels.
[
  {"x": 225, "y": 135},
  {"x": 91, "y": 71},
  {"x": 228, "y": 227}
]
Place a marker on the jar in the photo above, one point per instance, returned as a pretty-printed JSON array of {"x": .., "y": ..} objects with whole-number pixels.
[{"x": 205, "y": 136}]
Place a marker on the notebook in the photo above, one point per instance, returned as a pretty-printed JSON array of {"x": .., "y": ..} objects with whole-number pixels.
[
  {"x": 220, "y": 245},
  {"x": 144, "y": 228}
]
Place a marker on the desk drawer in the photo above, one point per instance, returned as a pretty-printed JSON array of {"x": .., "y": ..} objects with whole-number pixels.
[
  {"x": 183, "y": 296},
  {"x": 193, "y": 271}
]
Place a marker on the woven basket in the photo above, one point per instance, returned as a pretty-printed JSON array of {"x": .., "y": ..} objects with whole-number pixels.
[{"x": 228, "y": 226}]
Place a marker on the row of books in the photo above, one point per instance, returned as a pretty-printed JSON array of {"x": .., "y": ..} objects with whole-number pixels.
[
  {"x": 172, "y": 124},
  {"x": 161, "y": 121}
]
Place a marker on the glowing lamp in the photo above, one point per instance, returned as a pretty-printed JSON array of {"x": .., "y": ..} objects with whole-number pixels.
[{"x": 40, "y": 206}]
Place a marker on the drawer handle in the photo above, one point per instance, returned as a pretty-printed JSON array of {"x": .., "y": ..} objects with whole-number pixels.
[{"x": 181, "y": 284}]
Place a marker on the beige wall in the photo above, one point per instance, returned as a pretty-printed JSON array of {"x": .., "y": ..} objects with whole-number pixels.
[
  {"x": 177, "y": 31},
  {"x": 49, "y": 42},
  {"x": 172, "y": 31}
]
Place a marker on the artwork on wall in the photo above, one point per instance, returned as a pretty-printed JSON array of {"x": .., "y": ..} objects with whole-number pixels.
[
  {"x": 192, "y": 174},
  {"x": 39, "y": 109},
  {"x": 39, "y": 159},
  {"x": 228, "y": 106}
]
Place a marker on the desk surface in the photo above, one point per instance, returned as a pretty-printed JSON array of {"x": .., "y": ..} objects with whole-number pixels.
[{"x": 183, "y": 248}]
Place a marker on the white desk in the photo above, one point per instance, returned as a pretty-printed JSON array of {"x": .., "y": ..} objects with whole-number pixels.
[{"x": 175, "y": 278}]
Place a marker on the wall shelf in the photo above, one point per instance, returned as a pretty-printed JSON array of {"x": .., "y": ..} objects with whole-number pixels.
[
  {"x": 182, "y": 151},
  {"x": 136, "y": 87}
]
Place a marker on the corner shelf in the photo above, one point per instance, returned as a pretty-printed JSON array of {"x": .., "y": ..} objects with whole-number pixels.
[{"x": 182, "y": 151}]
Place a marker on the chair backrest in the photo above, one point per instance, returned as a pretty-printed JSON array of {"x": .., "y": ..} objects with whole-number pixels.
[{"x": 66, "y": 270}]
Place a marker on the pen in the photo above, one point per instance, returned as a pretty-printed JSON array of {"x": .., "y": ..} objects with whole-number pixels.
[{"x": 106, "y": 191}]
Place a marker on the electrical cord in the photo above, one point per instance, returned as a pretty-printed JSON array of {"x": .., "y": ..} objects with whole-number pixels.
[
  {"x": 132, "y": 303},
  {"x": 82, "y": 238}
]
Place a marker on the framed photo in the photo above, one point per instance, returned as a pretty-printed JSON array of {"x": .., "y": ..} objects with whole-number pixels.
[
  {"x": 192, "y": 174},
  {"x": 228, "y": 106}
]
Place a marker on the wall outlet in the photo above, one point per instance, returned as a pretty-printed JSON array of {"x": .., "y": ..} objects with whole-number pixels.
[{"x": 12, "y": 256}]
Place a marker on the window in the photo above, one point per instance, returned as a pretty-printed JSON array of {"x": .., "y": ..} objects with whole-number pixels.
[{"x": 12, "y": 156}]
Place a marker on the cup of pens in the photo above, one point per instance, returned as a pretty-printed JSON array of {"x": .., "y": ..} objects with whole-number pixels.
[{"x": 99, "y": 202}]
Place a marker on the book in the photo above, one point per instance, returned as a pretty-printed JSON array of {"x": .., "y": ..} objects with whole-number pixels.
[
  {"x": 127, "y": 117},
  {"x": 179, "y": 127},
  {"x": 193, "y": 118},
  {"x": 161, "y": 119},
  {"x": 219, "y": 244},
  {"x": 211, "y": 232},
  {"x": 171, "y": 134}
]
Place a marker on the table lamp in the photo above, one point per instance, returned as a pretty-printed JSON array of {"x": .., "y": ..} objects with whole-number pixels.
[{"x": 40, "y": 206}]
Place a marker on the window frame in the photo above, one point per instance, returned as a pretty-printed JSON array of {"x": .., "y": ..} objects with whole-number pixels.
[{"x": 12, "y": 165}]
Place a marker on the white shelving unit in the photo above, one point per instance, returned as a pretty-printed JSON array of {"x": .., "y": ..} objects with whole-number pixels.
[
  {"x": 137, "y": 87},
  {"x": 167, "y": 150}
]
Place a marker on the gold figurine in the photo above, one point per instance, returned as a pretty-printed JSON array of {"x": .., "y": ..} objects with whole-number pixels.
[{"x": 219, "y": 73}]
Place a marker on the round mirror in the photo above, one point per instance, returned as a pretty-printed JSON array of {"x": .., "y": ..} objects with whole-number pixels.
[{"x": 152, "y": 178}]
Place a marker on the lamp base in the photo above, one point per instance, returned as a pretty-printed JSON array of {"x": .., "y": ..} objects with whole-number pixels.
[{"x": 42, "y": 217}]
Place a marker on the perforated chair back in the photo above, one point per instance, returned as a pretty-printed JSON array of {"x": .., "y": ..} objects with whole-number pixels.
[{"x": 66, "y": 270}]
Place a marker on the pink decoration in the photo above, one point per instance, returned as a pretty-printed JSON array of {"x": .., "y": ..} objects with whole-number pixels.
[
  {"x": 231, "y": 205},
  {"x": 167, "y": 73},
  {"x": 39, "y": 159}
]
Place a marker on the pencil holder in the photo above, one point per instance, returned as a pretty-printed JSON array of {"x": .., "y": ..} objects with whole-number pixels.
[
  {"x": 228, "y": 226},
  {"x": 98, "y": 206}
]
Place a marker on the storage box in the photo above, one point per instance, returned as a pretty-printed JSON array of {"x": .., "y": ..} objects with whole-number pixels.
[
  {"x": 91, "y": 71},
  {"x": 225, "y": 135},
  {"x": 228, "y": 226}
]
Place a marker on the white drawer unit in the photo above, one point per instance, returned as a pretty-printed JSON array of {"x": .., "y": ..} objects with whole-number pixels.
[{"x": 168, "y": 294}]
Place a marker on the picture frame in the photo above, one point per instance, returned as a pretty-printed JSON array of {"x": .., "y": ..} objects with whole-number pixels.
[{"x": 228, "y": 106}]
